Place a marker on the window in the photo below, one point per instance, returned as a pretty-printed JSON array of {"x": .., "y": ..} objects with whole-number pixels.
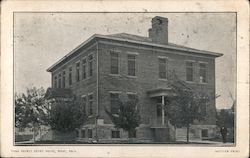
[
  {"x": 131, "y": 96},
  {"x": 90, "y": 58},
  {"x": 158, "y": 110},
  {"x": 133, "y": 134},
  {"x": 114, "y": 62},
  {"x": 83, "y": 133},
  {"x": 115, "y": 134},
  {"x": 70, "y": 76},
  {"x": 90, "y": 99},
  {"x": 77, "y": 72},
  {"x": 60, "y": 81},
  {"x": 204, "y": 133},
  {"x": 114, "y": 102},
  {"x": 162, "y": 68},
  {"x": 84, "y": 102},
  {"x": 203, "y": 72},
  {"x": 63, "y": 79},
  {"x": 90, "y": 133},
  {"x": 55, "y": 82},
  {"x": 131, "y": 65},
  {"x": 84, "y": 69},
  {"x": 189, "y": 71}
]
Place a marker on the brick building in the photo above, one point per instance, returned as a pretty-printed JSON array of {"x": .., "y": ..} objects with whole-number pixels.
[{"x": 105, "y": 67}]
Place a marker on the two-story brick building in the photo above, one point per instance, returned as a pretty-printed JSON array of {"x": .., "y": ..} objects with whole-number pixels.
[{"x": 105, "y": 67}]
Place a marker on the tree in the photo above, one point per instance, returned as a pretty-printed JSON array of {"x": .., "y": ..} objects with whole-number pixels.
[
  {"x": 225, "y": 118},
  {"x": 127, "y": 117},
  {"x": 30, "y": 108},
  {"x": 186, "y": 106},
  {"x": 66, "y": 115}
]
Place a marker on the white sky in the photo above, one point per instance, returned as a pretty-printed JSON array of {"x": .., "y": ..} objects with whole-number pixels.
[{"x": 41, "y": 39}]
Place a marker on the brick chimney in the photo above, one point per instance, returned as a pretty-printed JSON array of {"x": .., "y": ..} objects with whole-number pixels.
[{"x": 159, "y": 31}]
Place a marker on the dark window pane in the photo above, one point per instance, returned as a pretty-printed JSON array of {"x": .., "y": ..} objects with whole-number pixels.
[
  {"x": 90, "y": 99},
  {"x": 115, "y": 134},
  {"x": 131, "y": 65},
  {"x": 83, "y": 133},
  {"x": 158, "y": 110},
  {"x": 204, "y": 133},
  {"x": 114, "y": 101},
  {"x": 77, "y": 72},
  {"x": 203, "y": 72},
  {"x": 90, "y": 133},
  {"x": 114, "y": 63},
  {"x": 189, "y": 71},
  {"x": 162, "y": 68},
  {"x": 70, "y": 76}
]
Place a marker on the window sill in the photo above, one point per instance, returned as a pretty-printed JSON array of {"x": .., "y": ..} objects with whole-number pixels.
[
  {"x": 204, "y": 83},
  {"x": 162, "y": 79},
  {"x": 192, "y": 82},
  {"x": 115, "y": 75},
  {"x": 131, "y": 76}
]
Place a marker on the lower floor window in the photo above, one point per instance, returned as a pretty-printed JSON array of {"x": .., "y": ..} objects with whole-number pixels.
[
  {"x": 89, "y": 133},
  {"x": 82, "y": 133},
  {"x": 116, "y": 134},
  {"x": 204, "y": 133}
]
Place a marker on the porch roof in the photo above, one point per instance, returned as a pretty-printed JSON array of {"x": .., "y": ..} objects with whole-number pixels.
[{"x": 157, "y": 92}]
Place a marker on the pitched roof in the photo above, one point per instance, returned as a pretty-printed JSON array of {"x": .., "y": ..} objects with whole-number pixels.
[{"x": 124, "y": 37}]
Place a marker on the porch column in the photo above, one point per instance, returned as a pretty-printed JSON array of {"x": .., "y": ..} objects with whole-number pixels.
[{"x": 162, "y": 110}]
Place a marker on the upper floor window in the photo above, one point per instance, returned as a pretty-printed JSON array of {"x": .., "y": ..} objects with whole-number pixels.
[
  {"x": 63, "y": 79},
  {"x": 55, "y": 82},
  {"x": 60, "y": 81},
  {"x": 162, "y": 68},
  {"x": 203, "y": 72},
  {"x": 131, "y": 64},
  {"x": 90, "y": 100},
  {"x": 189, "y": 71},
  {"x": 114, "y": 68},
  {"x": 90, "y": 59},
  {"x": 114, "y": 102},
  {"x": 77, "y": 72},
  {"x": 84, "y": 69},
  {"x": 70, "y": 76}
]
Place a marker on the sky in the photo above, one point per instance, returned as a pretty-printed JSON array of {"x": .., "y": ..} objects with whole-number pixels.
[{"x": 41, "y": 39}]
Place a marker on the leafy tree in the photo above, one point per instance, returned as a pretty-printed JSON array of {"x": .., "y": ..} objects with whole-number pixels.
[
  {"x": 127, "y": 117},
  {"x": 30, "y": 108},
  {"x": 186, "y": 105},
  {"x": 66, "y": 115},
  {"x": 225, "y": 118}
]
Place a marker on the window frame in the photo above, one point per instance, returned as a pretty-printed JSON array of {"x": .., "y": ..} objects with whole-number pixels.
[
  {"x": 90, "y": 133},
  {"x": 84, "y": 68},
  {"x": 84, "y": 103},
  {"x": 90, "y": 104},
  {"x": 111, "y": 61},
  {"x": 135, "y": 64},
  {"x": 165, "y": 67},
  {"x": 90, "y": 65},
  {"x": 116, "y": 109},
  {"x": 115, "y": 134},
  {"x": 70, "y": 76},
  {"x": 55, "y": 81},
  {"x": 192, "y": 68},
  {"x": 205, "y": 79},
  {"x": 78, "y": 71},
  {"x": 64, "y": 79}
]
